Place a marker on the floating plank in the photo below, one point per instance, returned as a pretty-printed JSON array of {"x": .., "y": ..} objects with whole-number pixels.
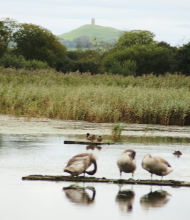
[
  {"x": 173, "y": 183},
  {"x": 87, "y": 142}
]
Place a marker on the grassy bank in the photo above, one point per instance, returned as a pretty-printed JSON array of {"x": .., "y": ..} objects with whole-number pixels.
[{"x": 99, "y": 98}]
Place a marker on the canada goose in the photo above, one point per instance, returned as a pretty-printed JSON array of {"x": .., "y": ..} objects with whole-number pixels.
[
  {"x": 90, "y": 137},
  {"x": 80, "y": 163},
  {"x": 156, "y": 165},
  {"x": 127, "y": 162}
]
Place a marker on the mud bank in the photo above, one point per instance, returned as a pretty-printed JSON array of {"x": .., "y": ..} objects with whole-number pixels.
[{"x": 21, "y": 125}]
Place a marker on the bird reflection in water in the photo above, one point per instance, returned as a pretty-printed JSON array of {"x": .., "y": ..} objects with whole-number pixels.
[
  {"x": 80, "y": 195},
  {"x": 154, "y": 199},
  {"x": 92, "y": 147},
  {"x": 125, "y": 199}
]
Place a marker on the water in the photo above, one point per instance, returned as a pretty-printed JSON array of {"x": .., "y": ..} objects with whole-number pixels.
[{"x": 22, "y": 155}]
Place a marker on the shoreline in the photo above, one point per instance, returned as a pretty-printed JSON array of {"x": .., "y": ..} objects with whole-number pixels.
[{"x": 22, "y": 125}]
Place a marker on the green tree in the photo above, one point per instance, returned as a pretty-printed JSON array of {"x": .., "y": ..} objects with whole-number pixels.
[
  {"x": 148, "y": 59},
  {"x": 7, "y": 28},
  {"x": 135, "y": 37},
  {"x": 139, "y": 54},
  {"x": 3, "y": 38},
  {"x": 126, "y": 67},
  {"x": 35, "y": 42},
  {"x": 183, "y": 59},
  {"x": 172, "y": 51},
  {"x": 80, "y": 60}
]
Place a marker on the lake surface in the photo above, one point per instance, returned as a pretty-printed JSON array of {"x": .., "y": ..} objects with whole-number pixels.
[{"x": 22, "y": 155}]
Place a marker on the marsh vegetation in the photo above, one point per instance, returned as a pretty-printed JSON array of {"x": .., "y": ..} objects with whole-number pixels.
[{"x": 95, "y": 98}]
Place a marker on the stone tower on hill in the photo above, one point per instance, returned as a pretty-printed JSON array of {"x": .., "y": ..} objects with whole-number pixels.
[{"x": 93, "y": 21}]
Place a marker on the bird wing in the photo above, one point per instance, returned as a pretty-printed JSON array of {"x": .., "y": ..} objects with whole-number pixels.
[
  {"x": 80, "y": 161},
  {"x": 163, "y": 161},
  {"x": 77, "y": 166}
]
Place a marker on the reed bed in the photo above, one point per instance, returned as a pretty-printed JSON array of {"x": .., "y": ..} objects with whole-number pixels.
[{"x": 96, "y": 98}]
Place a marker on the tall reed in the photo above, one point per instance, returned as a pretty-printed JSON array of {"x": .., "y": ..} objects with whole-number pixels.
[{"x": 96, "y": 98}]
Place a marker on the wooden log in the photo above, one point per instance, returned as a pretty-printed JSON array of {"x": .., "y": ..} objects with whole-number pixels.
[
  {"x": 87, "y": 142},
  {"x": 173, "y": 183}
]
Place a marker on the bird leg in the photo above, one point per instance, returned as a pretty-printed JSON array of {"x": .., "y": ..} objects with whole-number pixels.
[
  {"x": 132, "y": 175},
  {"x": 121, "y": 174}
]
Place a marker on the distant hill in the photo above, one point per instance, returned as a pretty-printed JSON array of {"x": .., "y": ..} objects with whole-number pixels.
[{"x": 91, "y": 31}]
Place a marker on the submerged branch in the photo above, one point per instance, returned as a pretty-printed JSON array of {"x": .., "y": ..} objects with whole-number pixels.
[
  {"x": 173, "y": 183},
  {"x": 87, "y": 142}
]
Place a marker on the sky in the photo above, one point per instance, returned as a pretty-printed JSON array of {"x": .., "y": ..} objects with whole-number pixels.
[{"x": 169, "y": 20}]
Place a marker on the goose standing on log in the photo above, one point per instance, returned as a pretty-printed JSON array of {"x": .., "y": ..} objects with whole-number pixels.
[
  {"x": 156, "y": 165},
  {"x": 127, "y": 162},
  {"x": 80, "y": 163}
]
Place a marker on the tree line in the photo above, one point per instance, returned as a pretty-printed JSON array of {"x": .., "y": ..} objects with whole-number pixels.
[
  {"x": 135, "y": 53},
  {"x": 84, "y": 42}
]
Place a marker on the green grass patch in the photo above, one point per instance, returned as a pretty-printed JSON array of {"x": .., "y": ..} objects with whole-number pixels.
[{"x": 100, "y": 32}]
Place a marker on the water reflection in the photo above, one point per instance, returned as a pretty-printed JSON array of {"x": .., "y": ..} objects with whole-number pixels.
[
  {"x": 154, "y": 199},
  {"x": 125, "y": 200},
  {"x": 92, "y": 147},
  {"x": 80, "y": 195},
  {"x": 155, "y": 140}
]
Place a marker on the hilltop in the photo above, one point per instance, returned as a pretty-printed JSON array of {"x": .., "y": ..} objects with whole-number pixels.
[{"x": 91, "y": 31}]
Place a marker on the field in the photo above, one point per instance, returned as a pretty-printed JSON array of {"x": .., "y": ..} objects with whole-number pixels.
[{"x": 95, "y": 98}]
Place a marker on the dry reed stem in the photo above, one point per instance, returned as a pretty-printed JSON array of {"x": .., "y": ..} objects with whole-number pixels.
[{"x": 99, "y": 98}]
